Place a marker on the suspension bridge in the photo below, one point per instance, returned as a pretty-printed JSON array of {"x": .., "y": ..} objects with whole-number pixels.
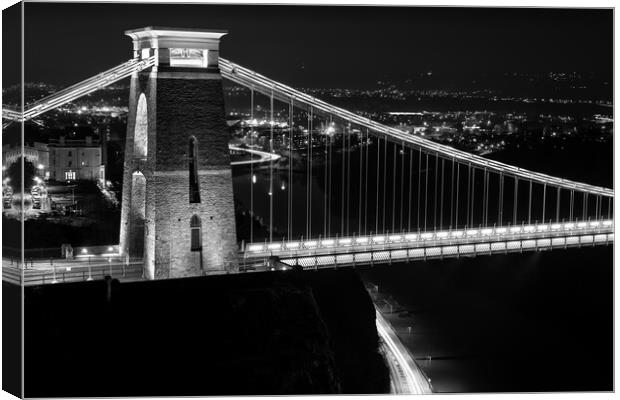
[{"x": 355, "y": 191}]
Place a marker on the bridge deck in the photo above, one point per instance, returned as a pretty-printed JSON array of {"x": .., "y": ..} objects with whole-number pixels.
[{"x": 328, "y": 252}]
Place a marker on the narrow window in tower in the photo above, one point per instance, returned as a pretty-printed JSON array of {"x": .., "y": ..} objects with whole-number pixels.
[
  {"x": 196, "y": 231},
  {"x": 194, "y": 189}
]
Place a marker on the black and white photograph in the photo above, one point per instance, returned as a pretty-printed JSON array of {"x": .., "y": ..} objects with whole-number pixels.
[{"x": 241, "y": 199}]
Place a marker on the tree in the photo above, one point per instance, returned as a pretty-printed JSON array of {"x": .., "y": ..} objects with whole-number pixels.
[{"x": 14, "y": 173}]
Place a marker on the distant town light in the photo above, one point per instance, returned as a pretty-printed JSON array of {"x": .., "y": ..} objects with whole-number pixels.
[{"x": 40, "y": 166}]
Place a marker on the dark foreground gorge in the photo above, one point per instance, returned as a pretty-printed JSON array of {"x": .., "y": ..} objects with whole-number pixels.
[{"x": 257, "y": 333}]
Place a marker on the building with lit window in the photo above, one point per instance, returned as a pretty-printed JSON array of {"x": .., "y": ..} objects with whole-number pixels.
[{"x": 76, "y": 159}]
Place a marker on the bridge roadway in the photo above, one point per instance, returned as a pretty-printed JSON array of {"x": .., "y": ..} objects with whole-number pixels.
[
  {"x": 354, "y": 250},
  {"x": 82, "y": 268},
  {"x": 333, "y": 252}
]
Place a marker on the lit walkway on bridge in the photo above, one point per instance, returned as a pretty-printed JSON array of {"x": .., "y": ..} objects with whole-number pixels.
[{"x": 353, "y": 250}]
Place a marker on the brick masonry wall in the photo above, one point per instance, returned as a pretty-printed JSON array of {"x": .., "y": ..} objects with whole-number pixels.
[
  {"x": 172, "y": 254},
  {"x": 177, "y": 110},
  {"x": 191, "y": 107}
]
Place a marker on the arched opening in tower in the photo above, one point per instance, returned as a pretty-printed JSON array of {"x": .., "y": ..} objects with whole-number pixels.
[
  {"x": 140, "y": 141},
  {"x": 137, "y": 214}
]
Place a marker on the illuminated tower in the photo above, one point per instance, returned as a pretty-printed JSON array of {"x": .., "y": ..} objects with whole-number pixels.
[{"x": 177, "y": 207}]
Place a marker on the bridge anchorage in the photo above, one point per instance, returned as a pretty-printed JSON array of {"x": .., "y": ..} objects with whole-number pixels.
[{"x": 347, "y": 190}]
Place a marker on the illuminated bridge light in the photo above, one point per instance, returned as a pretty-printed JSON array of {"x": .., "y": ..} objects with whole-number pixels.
[
  {"x": 328, "y": 242},
  {"x": 362, "y": 240},
  {"x": 555, "y": 227},
  {"x": 442, "y": 235},
  {"x": 255, "y": 247},
  {"x": 500, "y": 231},
  {"x": 274, "y": 246},
  {"x": 311, "y": 243},
  {"x": 426, "y": 236},
  {"x": 582, "y": 225},
  {"x": 411, "y": 236},
  {"x": 487, "y": 231},
  {"x": 292, "y": 245},
  {"x": 515, "y": 229},
  {"x": 345, "y": 242},
  {"x": 457, "y": 233},
  {"x": 542, "y": 228},
  {"x": 569, "y": 225},
  {"x": 607, "y": 223},
  {"x": 529, "y": 228},
  {"x": 378, "y": 239},
  {"x": 472, "y": 232},
  {"x": 395, "y": 238},
  {"x": 594, "y": 224}
]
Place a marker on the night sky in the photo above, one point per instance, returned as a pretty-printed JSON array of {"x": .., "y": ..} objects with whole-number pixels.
[{"x": 327, "y": 46}]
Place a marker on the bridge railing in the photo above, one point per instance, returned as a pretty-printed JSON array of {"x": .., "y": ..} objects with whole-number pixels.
[
  {"x": 442, "y": 251},
  {"x": 424, "y": 239},
  {"x": 71, "y": 272}
]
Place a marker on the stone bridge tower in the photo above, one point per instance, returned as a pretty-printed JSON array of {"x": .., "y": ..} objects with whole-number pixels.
[{"x": 177, "y": 207}]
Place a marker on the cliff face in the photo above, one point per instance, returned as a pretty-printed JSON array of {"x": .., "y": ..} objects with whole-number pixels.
[{"x": 258, "y": 333}]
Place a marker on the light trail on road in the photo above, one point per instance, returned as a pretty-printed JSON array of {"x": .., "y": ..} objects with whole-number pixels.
[{"x": 409, "y": 379}]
